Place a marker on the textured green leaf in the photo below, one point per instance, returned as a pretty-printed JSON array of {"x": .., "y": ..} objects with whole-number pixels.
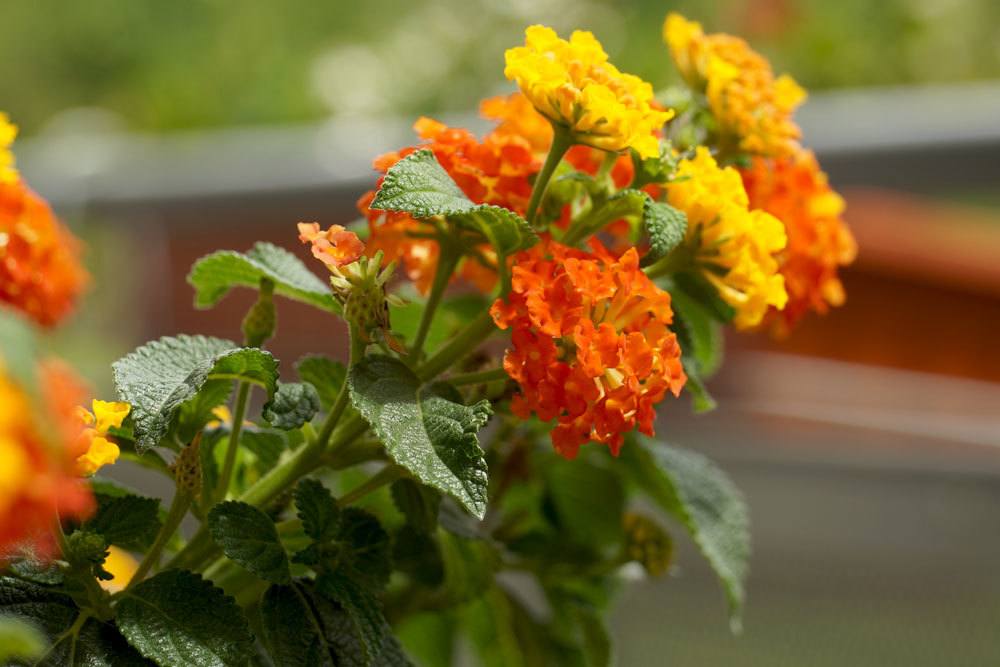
[
  {"x": 249, "y": 537},
  {"x": 367, "y": 548},
  {"x": 323, "y": 373},
  {"x": 294, "y": 631},
  {"x": 317, "y": 509},
  {"x": 178, "y": 619},
  {"x": 425, "y": 429},
  {"x": 130, "y": 522},
  {"x": 163, "y": 376},
  {"x": 703, "y": 498},
  {"x": 665, "y": 226},
  {"x": 362, "y": 608},
  {"x": 214, "y": 275},
  {"x": 420, "y": 186},
  {"x": 505, "y": 230},
  {"x": 96, "y": 645},
  {"x": 292, "y": 406},
  {"x": 418, "y": 504},
  {"x": 304, "y": 629}
]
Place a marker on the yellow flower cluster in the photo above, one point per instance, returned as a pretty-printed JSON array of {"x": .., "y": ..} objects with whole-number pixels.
[
  {"x": 753, "y": 108},
  {"x": 8, "y": 131},
  {"x": 573, "y": 85},
  {"x": 98, "y": 450},
  {"x": 735, "y": 246}
]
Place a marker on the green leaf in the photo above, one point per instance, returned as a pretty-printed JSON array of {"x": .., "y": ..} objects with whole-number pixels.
[
  {"x": 417, "y": 554},
  {"x": 505, "y": 230},
  {"x": 420, "y": 186},
  {"x": 53, "y": 614},
  {"x": 317, "y": 509},
  {"x": 249, "y": 537},
  {"x": 452, "y": 314},
  {"x": 702, "y": 342},
  {"x": 265, "y": 445},
  {"x": 214, "y": 275},
  {"x": 131, "y": 522},
  {"x": 469, "y": 566},
  {"x": 425, "y": 429},
  {"x": 294, "y": 631},
  {"x": 665, "y": 226},
  {"x": 489, "y": 622},
  {"x": 362, "y": 608},
  {"x": 323, "y": 373},
  {"x": 304, "y": 629},
  {"x": 418, "y": 504},
  {"x": 19, "y": 639},
  {"x": 164, "y": 376},
  {"x": 703, "y": 498},
  {"x": 177, "y": 618},
  {"x": 589, "y": 500},
  {"x": 367, "y": 547},
  {"x": 596, "y": 638},
  {"x": 293, "y": 405}
]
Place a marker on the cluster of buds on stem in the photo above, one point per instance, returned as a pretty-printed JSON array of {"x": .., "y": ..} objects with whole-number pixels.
[{"x": 358, "y": 281}]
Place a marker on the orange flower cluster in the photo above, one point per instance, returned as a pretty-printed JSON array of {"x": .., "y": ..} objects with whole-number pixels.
[
  {"x": 591, "y": 344},
  {"x": 38, "y": 480},
  {"x": 335, "y": 246},
  {"x": 40, "y": 270},
  {"x": 795, "y": 190},
  {"x": 752, "y": 106},
  {"x": 495, "y": 170}
]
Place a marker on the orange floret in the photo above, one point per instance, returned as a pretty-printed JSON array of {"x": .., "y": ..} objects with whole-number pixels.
[
  {"x": 335, "y": 246},
  {"x": 40, "y": 270},
  {"x": 796, "y": 191},
  {"x": 592, "y": 347}
]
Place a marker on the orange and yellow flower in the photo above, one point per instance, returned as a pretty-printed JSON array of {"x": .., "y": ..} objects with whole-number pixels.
[
  {"x": 495, "y": 170},
  {"x": 592, "y": 347},
  {"x": 796, "y": 191},
  {"x": 40, "y": 270},
  {"x": 38, "y": 448},
  {"x": 335, "y": 246},
  {"x": 752, "y": 107},
  {"x": 97, "y": 449},
  {"x": 735, "y": 248},
  {"x": 573, "y": 84}
]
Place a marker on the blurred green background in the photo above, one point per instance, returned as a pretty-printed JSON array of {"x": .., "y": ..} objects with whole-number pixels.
[{"x": 204, "y": 63}]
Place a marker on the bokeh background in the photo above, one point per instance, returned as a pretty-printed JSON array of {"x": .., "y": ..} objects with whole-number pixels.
[{"x": 866, "y": 443}]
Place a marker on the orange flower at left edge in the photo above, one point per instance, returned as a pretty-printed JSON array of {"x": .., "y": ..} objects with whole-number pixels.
[
  {"x": 496, "y": 170},
  {"x": 39, "y": 446},
  {"x": 41, "y": 274}
]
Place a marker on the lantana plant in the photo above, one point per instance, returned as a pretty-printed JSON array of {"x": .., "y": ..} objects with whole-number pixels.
[{"x": 517, "y": 306}]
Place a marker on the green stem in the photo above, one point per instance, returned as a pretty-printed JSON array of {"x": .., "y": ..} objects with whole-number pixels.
[
  {"x": 447, "y": 261},
  {"x": 561, "y": 141},
  {"x": 458, "y": 347},
  {"x": 222, "y": 486},
  {"x": 680, "y": 258},
  {"x": 479, "y": 377},
  {"x": 178, "y": 508},
  {"x": 386, "y": 475}
]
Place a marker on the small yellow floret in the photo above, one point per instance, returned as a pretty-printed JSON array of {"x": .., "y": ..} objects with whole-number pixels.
[
  {"x": 109, "y": 414},
  {"x": 736, "y": 246},
  {"x": 100, "y": 453},
  {"x": 8, "y": 131},
  {"x": 573, "y": 85}
]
